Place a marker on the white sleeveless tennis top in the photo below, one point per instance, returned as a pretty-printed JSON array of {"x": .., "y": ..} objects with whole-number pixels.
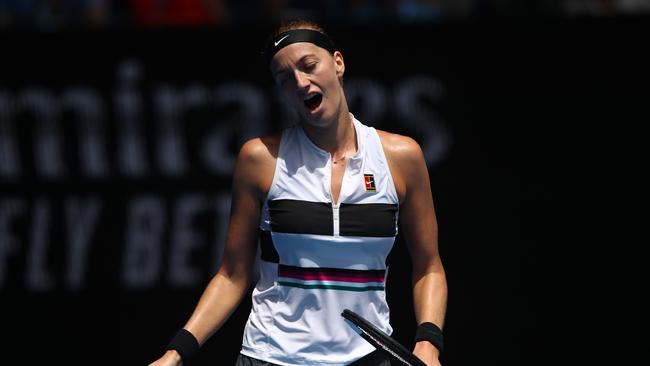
[{"x": 319, "y": 258}]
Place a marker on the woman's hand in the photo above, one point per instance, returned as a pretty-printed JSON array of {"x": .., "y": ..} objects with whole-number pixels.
[
  {"x": 170, "y": 358},
  {"x": 427, "y": 352}
]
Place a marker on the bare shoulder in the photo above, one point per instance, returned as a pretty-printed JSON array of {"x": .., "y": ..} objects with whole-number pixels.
[
  {"x": 399, "y": 148},
  {"x": 256, "y": 163},
  {"x": 260, "y": 150},
  {"x": 405, "y": 160}
]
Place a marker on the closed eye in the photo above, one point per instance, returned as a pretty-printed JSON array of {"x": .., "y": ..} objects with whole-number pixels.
[
  {"x": 310, "y": 66},
  {"x": 306, "y": 64}
]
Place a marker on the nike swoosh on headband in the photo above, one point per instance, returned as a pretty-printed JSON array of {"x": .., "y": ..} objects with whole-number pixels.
[
  {"x": 281, "y": 39},
  {"x": 298, "y": 35}
]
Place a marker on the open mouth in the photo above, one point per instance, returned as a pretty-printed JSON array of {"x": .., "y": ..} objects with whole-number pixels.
[{"x": 312, "y": 102}]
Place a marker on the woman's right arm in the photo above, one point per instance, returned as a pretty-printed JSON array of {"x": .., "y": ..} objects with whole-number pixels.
[{"x": 227, "y": 288}]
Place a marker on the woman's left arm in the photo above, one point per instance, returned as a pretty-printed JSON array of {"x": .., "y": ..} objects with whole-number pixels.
[{"x": 420, "y": 229}]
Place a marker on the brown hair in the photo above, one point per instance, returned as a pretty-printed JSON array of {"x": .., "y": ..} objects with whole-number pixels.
[{"x": 297, "y": 24}]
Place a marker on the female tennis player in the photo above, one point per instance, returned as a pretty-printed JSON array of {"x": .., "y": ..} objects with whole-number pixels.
[{"x": 323, "y": 199}]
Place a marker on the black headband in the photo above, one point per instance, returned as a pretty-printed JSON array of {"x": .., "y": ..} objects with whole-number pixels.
[{"x": 284, "y": 39}]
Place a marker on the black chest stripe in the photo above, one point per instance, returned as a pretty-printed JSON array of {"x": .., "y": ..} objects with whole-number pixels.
[
  {"x": 368, "y": 219},
  {"x": 303, "y": 217}
]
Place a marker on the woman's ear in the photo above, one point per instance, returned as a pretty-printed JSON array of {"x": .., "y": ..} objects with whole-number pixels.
[{"x": 339, "y": 64}]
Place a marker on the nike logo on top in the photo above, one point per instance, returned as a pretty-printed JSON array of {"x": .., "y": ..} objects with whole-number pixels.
[{"x": 281, "y": 39}]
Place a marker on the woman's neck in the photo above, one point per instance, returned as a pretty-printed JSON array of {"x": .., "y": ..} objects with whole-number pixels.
[{"x": 338, "y": 138}]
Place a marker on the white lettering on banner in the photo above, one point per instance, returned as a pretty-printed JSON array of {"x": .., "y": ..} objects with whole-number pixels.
[
  {"x": 144, "y": 234},
  {"x": 424, "y": 122},
  {"x": 411, "y": 105},
  {"x": 367, "y": 98},
  {"x": 131, "y": 150},
  {"x": 151, "y": 253},
  {"x": 185, "y": 241},
  {"x": 410, "y": 98},
  {"x": 82, "y": 217},
  {"x": 37, "y": 276},
  {"x": 90, "y": 111},
  {"x": 248, "y": 121},
  {"x": 10, "y": 211},
  {"x": 9, "y": 162},
  {"x": 170, "y": 106},
  {"x": 48, "y": 137}
]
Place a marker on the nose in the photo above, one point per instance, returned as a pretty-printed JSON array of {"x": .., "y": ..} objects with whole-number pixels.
[{"x": 302, "y": 82}]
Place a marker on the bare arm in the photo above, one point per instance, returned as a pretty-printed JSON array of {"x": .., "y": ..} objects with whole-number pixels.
[
  {"x": 229, "y": 285},
  {"x": 420, "y": 228},
  {"x": 227, "y": 288}
]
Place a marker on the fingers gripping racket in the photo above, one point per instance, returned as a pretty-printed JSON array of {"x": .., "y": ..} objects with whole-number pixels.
[{"x": 380, "y": 339}]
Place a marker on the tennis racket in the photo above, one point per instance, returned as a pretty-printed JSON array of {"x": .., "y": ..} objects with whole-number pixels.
[{"x": 380, "y": 340}]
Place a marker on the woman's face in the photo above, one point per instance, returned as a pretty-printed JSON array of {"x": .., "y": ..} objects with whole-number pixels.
[{"x": 308, "y": 77}]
